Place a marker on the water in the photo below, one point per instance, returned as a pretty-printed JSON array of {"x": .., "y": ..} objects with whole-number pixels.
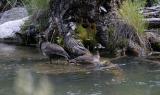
[{"x": 137, "y": 78}]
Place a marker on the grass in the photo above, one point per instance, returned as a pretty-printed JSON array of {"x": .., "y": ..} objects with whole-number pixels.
[
  {"x": 156, "y": 1},
  {"x": 87, "y": 35},
  {"x": 82, "y": 32},
  {"x": 36, "y": 5},
  {"x": 129, "y": 12}
]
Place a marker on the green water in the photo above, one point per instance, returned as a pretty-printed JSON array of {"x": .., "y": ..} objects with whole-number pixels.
[{"x": 137, "y": 78}]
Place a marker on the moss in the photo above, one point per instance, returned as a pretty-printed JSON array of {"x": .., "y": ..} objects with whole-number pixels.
[
  {"x": 87, "y": 35},
  {"x": 81, "y": 32}
]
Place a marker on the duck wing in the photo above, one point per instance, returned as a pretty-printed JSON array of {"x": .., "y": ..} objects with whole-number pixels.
[
  {"x": 75, "y": 47},
  {"x": 54, "y": 49}
]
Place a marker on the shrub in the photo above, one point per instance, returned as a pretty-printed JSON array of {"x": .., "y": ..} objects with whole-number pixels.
[
  {"x": 87, "y": 35},
  {"x": 35, "y": 5},
  {"x": 82, "y": 32}
]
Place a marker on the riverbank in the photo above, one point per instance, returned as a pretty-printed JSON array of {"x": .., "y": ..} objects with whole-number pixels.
[{"x": 70, "y": 79}]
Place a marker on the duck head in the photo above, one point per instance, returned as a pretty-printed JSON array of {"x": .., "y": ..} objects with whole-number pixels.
[{"x": 41, "y": 38}]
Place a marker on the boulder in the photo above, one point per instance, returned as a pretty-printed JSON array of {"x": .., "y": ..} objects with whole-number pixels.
[
  {"x": 8, "y": 29},
  {"x": 13, "y": 14}
]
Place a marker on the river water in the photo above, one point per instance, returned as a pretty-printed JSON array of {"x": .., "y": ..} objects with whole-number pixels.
[{"x": 137, "y": 78}]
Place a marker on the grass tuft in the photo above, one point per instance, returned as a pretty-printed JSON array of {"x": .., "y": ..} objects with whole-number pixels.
[{"x": 129, "y": 12}]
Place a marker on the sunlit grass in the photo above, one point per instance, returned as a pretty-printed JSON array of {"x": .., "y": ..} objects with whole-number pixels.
[
  {"x": 87, "y": 35},
  {"x": 129, "y": 12}
]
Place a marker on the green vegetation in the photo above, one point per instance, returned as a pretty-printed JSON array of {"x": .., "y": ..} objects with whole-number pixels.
[
  {"x": 40, "y": 20},
  {"x": 156, "y": 1},
  {"x": 31, "y": 5},
  {"x": 82, "y": 33},
  {"x": 115, "y": 41},
  {"x": 87, "y": 35},
  {"x": 129, "y": 12},
  {"x": 36, "y": 5}
]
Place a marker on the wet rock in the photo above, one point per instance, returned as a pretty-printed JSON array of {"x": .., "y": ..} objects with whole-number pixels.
[
  {"x": 153, "y": 37},
  {"x": 153, "y": 22}
]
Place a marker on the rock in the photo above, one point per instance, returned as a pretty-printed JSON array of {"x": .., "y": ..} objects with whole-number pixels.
[
  {"x": 153, "y": 37},
  {"x": 13, "y": 14},
  {"x": 152, "y": 14},
  {"x": 154, "y": 40},
  {"x": 8, "y": 29},
  {"x": 134, "y": 49}
]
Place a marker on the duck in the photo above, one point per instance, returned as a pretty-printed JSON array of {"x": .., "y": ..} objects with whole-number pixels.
[
  {"x": 87, "y": 59},
  {"x": 75, "y": 47},
  {"x": 52, "y": 50}
]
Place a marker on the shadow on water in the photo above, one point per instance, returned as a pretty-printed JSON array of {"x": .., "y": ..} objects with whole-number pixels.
[{"x": 135, "y": 78}]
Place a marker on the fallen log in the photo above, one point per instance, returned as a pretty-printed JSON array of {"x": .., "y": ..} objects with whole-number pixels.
[
  {"x": 152, "y": 14},
  {"x": 153, "y": 22},
  {"x": 152, "y": 30},
  {"x": 153, "y": 8}
]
